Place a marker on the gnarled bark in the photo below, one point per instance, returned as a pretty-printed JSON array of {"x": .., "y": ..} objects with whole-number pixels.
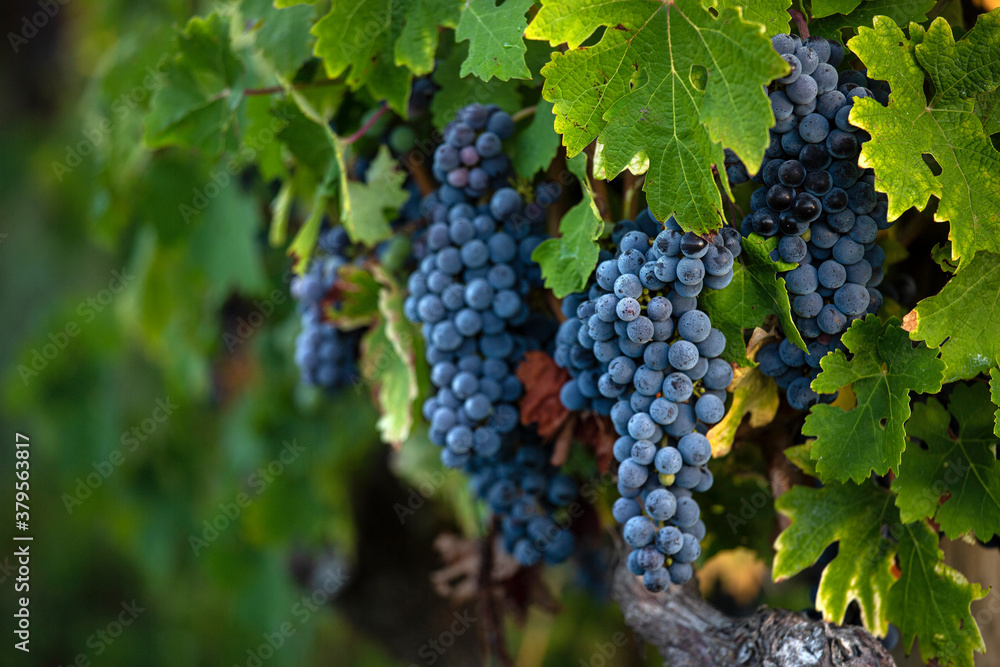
[{"x": 689, "y": 632}]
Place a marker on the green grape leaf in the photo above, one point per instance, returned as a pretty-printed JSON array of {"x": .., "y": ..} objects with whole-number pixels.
[
  {"x": 224, "y": 244},
  {"x": 281, "y": 209},
  {"x": 885, "y": 368},
  {"x": 418, "y": 42},
  {"x": 301, "y": 247},
  {"x": 755, "y": 293},
  {"x": 360, "y": 38},
  {"x": 772, "y": 14},
  {"x": 458, "y": 91},
  {"x": 666, "y": 79},
  {"x": 536, "y": 145},
  {"x": 900, "y": 11},
  {"x": 568, "y": 261},
  {"x": 311, "y": 144},
  {"x": 283, "y": 34},
  {"x": 496, "y": 39},
  {"x": 941, "y": 254},
  {"x": 932, "y": 601},
  {"x": 862, "y": 570},
  {"x": 363, "y": 206},
  {"x": 389, "y": 363},
  {"x": 963, "y": 319},
  {"x": 963, "y": 469},
  {"x": 196, "y": 105},
  {"x": 821, "y": 8},
  {"x": 354, "y": 298},
  {"x": 968, "y": 185},
  {"x": 799, "y": 456},
  {"x": 988, "y": 110},
  {"x": 995, "y": 395}
]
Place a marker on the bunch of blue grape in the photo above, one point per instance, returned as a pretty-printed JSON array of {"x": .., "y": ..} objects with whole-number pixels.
[
  {"x": 470, "y": 293},
  {"x": 326, "y": 356},
  {"x": 820, "y": 204},
  {"x": 656, "y": 360},
  {"x": 574, "y": 350}
]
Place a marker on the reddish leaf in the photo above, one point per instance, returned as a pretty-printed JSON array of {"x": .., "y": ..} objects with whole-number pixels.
[{"x": 542, "y": 380}]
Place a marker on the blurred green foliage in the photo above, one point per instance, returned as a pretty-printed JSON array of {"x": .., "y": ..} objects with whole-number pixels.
[{"x": 154, "y": 395}]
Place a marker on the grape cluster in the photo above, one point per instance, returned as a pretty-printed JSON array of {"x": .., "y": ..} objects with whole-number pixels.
[
  {"x": 326, "y": 356},
  {"x": 655, "y": 362},
  {"x": 820, "y": 204},
  {"x": 470, "y": 293}
]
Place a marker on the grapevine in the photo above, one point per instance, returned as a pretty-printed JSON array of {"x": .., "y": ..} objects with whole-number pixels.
[{"x": 512, "y": 332}]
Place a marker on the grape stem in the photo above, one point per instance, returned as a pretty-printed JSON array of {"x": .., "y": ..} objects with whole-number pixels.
[
  {"x": 800, "y": 21},
  {"x": 598, "y": 186},
  {"x": 361, "y": 131},
  {"x": 523, "y": 113},
  {"x": 631, "y": 188},
  {"x": 271, "y": 90}
]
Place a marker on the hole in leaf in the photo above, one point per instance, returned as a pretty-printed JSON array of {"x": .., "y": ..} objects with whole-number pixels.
[
  {"x": 698, "y": 76},
  {"x": 713, "y": 11},
  {"x": 932, "y": 163},
  {"x": 882, "y": 422}
]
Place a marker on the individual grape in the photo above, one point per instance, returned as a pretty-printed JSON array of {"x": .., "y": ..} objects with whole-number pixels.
[
  {"x": 842, "y": 144},
  {"x": 639, "y": 531},
  {"x": 808, "y": 57},
  {"x": 802, "y": 280},
  {"x": 677, "y": 387},
  {"x": 693, "y": 246},
  {"x": 802, "y": 90},
  {"x": 647, "y": 381},
  {"x": 795, "y": 69},
  {"x": 694, "y": 448},
  {"x": 694, "y": 326},
  {"x": 686, "y": 514},
  {"x": 710, "y": 409},
  {"x": 814, "y": 157},
  {"x": 717, "y": 261},
  {"x": 852, "y": 299},
  {"x": 814, "y": 128},
  {"x": 847, "y": 251},
  {"x": 792, "y": 249},
  {"x": 689, "y": 551},
  {"x": 791, "y": 173},
  {"x": 831, "y": 320},
  {"x": 800, "y": 395},
  {"x": 770, "y": 362},
  {"x": 783, "y": 43},
  {"x": 862, "y": 198},
  {"x": 832, "y": 273},
  {"x": 860, "y": 272},
  {"x": 680, "y": 573},
  {"x": 683, "y": 356},
  {"x": 829, "y": 103},
  {"x": 668, "y": 461},
  {"x": 719, "y": 375},
  {"x": 713, "y": 345}
]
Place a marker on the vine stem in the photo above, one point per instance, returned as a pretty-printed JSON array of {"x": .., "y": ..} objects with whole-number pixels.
[
  {"x": 523, "y": 113},
  {"x": 631, "y": 188},
  {"x": 271, "y": 90},
  {"x": 598, "y": 186},
  {"x": 347, "y": 141},
  {"x": 800, "y": 21}
]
